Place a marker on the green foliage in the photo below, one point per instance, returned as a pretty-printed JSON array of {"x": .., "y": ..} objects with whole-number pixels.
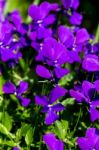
[
  {"x": 6, "y": 120},
  {"x": 29, "y": 136},
  {"x": 5, "y": 131}
]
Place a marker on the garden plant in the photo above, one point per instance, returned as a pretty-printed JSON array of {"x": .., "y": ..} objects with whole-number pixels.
[{"x": 49, "y": 77}]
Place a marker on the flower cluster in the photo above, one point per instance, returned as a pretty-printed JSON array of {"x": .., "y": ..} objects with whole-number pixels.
[{"x": 58, "y": 48}]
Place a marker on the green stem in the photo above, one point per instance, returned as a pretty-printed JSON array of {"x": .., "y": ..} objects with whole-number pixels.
[{"x": 79, "y": 115}]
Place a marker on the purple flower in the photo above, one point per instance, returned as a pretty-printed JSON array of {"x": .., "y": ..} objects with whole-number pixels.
[
  {"x": 91, "y": 63},
  {"x": 54, "y": 54},
  {"x": 20, "y": 29},
  {"x": 73, "y": 44},
  {"x": 9, "y": 50},
  {"x": 43, "y": 10},
  {"x": 9, "y": 88},
  {"x": 84, "y": 93},
  {"x": 73, "y": 16},
  {"x": 90, "y": 141},
  {"x": 70, "y": 4},
  {"x": 52, "y": 142},
  {"x": 48, "y": 107},
  {"x": 41, "y": 20}
]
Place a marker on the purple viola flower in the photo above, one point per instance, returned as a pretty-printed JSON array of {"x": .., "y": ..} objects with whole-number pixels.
[
  {"x": 9, "y": 50},
  {"x": 91, "y": 63},
  {"x": 10, "y": 88},
  {"x": 90, "y": 141},
  {"x": 52, "y": 142},
  {"x": 43, "y": 10},
  {"x": 49, "y": 107},
  {"x": 54, "y": 54},
  {"x": 70, "y": 4},
  {"x": 42, "y": 19},
  {"x": 94, "y": 112},
  {"x": 84, "y": 93},
  {"x": 73, "y": 16},
  {"x": 19, "y": 28},
  {"x": 73, "y": 44}
]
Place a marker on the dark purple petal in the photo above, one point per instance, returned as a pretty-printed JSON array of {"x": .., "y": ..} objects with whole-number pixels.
[
  {"x": 97, "y": 145},
  {"x": 43, "y": 72},
  {"x": 51, "y": 117},
  {"x": 9, "y": 88},
  {"x": 74, "y": 56},
  {"x": 66, "y": 3},
  {"x": 43, "y": 32},
  {"x": 59, "y": 145},
  {"x": 45, "y": 109},
  {"x": 75, "y": 4},
  {"x": 54, "y": 53},
  {"x": 90, "y": 132},
  {"x": 41, "y": 100},
  {"x": 44, "y": 9},
  {"x": 60, "y": 72},
  {"x": 75, "y": 18},
  {"x": 94, "y": 114},
  {"x": 50, "y": 19},
  {"x": 65, "y": 36},
  {"x": 78, "y": 96},
  {"x": 25, "y": 101},
  {"x": 58, "y": 107},
  {"x": 56, "y": 93},
  {"x": 54, "y": 7},
  {"x": 16, "y": 19},
  {"x": 96, "y": 83},
  {"x": 82, "y": 36},
  {"x": 33, "y": 9},
  {"x": 23, "y": 86},
  {"x": 90, "y": 141},
  {"x": 91, "y": 63},
  {"x": 83, "y": 143},
  {"x": 52, "y": 142},
  {"x": 88, "y": 89}
]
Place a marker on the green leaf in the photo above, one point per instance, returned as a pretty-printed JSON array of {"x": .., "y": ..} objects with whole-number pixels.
[
  {"x": 18, "y": 135},
  {"x": 29, "y": 136},
  {"x": 7, "y": 121},
  {"x": 97, "y": 34},
  {"x": 4, "y": 131},
  {"x": 9, "y": 143},
  {"x": 22, "y": 131},
  {"x": 61, "y": 129},
  {"x": 1, "y": 84},
  {"x": 66, "y": 79},
  {"x": 68, "y": 101},
  {"x": 22, "y": 64},
  {"x": 36, "y": 2}
]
